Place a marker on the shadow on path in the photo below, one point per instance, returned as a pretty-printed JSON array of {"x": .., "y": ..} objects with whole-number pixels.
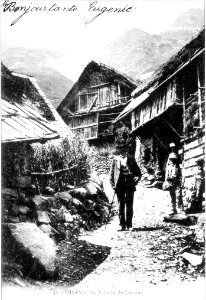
[
  {"x": 148, "y": 228},
  {"x": 79, "y": 258}
]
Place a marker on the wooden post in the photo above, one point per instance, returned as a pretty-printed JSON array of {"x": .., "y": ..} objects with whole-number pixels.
[
  {"x": 98, "y": 99},
  {"x": 199, "y": 96},
  {"x": 97, "y": 124},
  {"x": 133, "y": 120},
  {"x": 119, "y": 93},
  {"x": 174, "y": 90},
  {"x": 183, "y": 102},
  {"x": 183, "y": 144},
  {"x": 79, "y": 101},
  {"x": 113, "y": 96},
  {"x": 93, "y": 103},
  {"x": 116, "y": 95}
]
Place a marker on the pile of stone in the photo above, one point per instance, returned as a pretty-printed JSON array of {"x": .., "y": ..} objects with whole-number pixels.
[
  {"x": 30, "y": 219},
  {"x": 102, "y": 163}
]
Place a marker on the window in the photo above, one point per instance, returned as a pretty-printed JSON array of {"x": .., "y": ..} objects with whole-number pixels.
[
  {"x": 87, "y": 98},
  {"x": 83, "y": 101}
]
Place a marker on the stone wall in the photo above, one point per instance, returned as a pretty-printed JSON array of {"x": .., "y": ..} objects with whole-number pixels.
[{"x": 63, "y": 214}]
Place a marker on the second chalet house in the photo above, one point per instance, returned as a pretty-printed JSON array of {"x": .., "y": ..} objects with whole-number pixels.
[
  {"x": 95, "y": 100},
  {"x": 170, "y": 107}
]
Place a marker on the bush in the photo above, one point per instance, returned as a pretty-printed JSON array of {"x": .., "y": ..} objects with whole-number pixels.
[{"x": 65, "y": 153}]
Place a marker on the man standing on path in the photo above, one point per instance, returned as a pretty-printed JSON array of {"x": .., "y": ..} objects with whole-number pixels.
[
  {"x": 124, "y": 175},
  {"x": 173, "y": 177}
]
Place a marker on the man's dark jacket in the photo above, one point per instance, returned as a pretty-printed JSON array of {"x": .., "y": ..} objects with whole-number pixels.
[{"x": 116, "y": 174}]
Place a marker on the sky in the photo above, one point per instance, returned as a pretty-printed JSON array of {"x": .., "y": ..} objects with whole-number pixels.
[{"x": 66, "y": 31}]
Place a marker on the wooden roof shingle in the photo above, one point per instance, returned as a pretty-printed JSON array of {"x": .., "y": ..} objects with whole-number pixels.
[{"x": 19, "y": 122}]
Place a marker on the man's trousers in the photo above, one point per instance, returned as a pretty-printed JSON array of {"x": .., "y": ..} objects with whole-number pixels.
[
  {"x": 176, "y": 198},
  {"x": 125, "y": 201}
]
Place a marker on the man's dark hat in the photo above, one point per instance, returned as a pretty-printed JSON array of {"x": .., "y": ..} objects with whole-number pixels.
[{"x": 121, "y": 143}]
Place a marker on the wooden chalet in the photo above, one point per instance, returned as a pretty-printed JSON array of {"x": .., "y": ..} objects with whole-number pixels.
[
  {"x": 95, "y": 100},
  {"x": 170, "y": 108},
  {"x": 27, "y": 117},
  {"x": 21, "y": 88}
]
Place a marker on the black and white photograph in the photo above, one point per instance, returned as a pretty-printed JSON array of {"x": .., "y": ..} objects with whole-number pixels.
[{"x": 103, "y": 149}]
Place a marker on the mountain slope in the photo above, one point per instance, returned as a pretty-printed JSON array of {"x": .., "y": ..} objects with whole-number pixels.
[
  {"x": 34, "y": 62},
  {"x": 192, "y": 19}
]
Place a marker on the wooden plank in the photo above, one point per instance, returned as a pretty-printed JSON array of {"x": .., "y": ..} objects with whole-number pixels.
[
  {"x": 192, "y": 162},
  {"x": 133, "y": 120},
  {"x": 93, "y": 93},
  {"x": 97, "y": 125},
  {"x": 190, "y": 172},
  {"x": 78, "y": 108},
  {"x": 199, "y": 96},
  {"x": 98, "y": 98},
  {"x": 109, "y": 114},
  {"x": 92, "y": 138},
  {"x": 99, "y": 85},
  {"x": 194, "y": 153},
  {"x": 84, "y": 120},
  {"x": 119, "y": 101},
  {"x": 84, "y": 115},
  {"x": 119, "y": 91},
  {"x": 87, "y": 132},
  {"x": 186, "y": 153},
  {"x": 93, "y": 104},
  {"x": 189, "y": 181},
  {"x": 106, "y": 122},
  {"x": 194, "y": 144},
  {"x": 53, "y": 172},
  {"x": 84, "y": 126},
  {"x": 67, "y": 109}
]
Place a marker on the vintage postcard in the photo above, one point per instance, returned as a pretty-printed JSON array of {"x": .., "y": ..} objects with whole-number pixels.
[{"x": 103, "y": 154}]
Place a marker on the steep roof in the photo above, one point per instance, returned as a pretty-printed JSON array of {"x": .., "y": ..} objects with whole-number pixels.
[
  {"x": 175, "y": 64},
  {"x": 108, "y": 71},
  {"x": 24, "y": 89},
  {"x": 20, "y": 122},
  {"x": 194, "y": 46}
]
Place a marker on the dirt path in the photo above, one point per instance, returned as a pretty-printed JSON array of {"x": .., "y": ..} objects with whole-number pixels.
[{"x": 146, "y": 262}]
